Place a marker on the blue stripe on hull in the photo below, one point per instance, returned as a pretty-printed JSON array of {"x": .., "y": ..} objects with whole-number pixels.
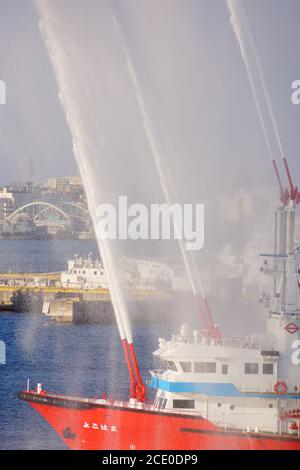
[{"x": 211, "y": 389}]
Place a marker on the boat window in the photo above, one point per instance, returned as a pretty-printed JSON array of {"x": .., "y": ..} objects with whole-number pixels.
[
  {"x": 211, "y": 367},
  {"x": 268, "y": 368},
  {"x": 186, "y": 404},
  {"x": 172, "y": 365},
  {"x": 205, "y": 367},
  {"x": 159, "y": 363},
  {"x": 95, "y": 273},
  {"x": 224, "y": 369},
  {"x": 200, "y": 367},
  {"x": 186, "y": 366},
  {"x": 251, "y": 368},
  {"x": 162, "y": 403}
]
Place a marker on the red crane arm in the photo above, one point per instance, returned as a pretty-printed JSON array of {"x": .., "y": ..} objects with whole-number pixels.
[{"x": 294, "y": 193}]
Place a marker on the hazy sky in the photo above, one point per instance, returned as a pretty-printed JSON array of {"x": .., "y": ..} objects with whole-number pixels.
[
  {"x": 195, "y": 88},
  {"x": 197, "y": 75}
]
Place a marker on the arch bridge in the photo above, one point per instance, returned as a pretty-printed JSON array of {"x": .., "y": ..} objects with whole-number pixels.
[{"x": 46, "y": 213}]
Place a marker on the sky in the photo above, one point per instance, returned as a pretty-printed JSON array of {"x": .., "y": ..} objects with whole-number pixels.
[
  {"x": 189, "y": 54},
  {"x": 176, "y": 64}
]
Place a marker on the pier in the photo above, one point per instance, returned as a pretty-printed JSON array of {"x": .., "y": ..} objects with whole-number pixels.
[{"x": 45, "y": 294}]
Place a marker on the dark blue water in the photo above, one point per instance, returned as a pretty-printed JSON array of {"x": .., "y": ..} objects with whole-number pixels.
[
  {"x": 41, "y": 255},
  {"x": 82, "y": 360}
]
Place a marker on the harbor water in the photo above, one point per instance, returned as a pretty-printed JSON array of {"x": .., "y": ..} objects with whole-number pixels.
[{"x": 83, "y": 360}]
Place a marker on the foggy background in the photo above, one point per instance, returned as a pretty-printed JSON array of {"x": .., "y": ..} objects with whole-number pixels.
[
  {"x": 199, "y": 75},
  {"x": 197, "y": 92}
]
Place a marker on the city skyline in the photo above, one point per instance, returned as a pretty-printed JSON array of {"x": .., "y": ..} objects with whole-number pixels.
[{"x": 34, "y": 125}]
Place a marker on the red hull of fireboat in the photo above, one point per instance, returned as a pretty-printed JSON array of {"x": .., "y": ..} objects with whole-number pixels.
[{"x": 90, "y": 424}]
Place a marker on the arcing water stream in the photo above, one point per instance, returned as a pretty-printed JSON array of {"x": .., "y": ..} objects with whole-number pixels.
[
  {"x": 86, "y": 146},
  {"x": 255, "y": 74}
]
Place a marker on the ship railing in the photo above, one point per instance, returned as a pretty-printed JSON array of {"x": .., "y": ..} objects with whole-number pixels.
[
  {"x": 265, "y": 425},
  {"x": 248, "y": 342}
]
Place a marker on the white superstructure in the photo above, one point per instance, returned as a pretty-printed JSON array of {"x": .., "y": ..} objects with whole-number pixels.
[
  {"x": 143, "y": 274},
  {"x": 248, "y": 383},
  {"x": 84, "y": 273}
]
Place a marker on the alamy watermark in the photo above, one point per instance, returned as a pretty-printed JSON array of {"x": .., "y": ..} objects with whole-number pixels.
[
  {"x": 158, "y": 222},
  {"x": 2, "y": 92},
  {"x": 2, "y": 353},
  {"x": 296, "y": 93},
  {"x": 296, "y": 353}
]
